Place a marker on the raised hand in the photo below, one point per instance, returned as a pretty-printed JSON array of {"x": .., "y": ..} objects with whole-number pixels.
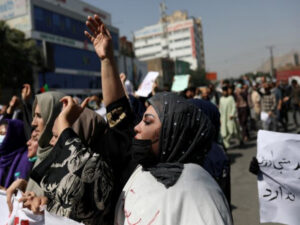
[
  {"x": 123, "y": 78},
  {"x": 26, "y": 92},
  {"x": 70, "y": 112},
  {"x": 100, "y": 37},
  {"x": 14, "y": 102}
]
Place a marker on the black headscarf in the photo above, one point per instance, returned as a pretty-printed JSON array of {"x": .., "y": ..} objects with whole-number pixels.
[
  {"x": 185, "y": 136},
  {"x": 211, "y": 111}
]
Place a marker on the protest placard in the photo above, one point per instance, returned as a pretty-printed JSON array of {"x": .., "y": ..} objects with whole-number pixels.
[
  {"x": 19, "y": 215},
  {"x": 51, "y": 219},
  {"x": 180, "y": 82},
  {"x": 147, "y": 84},
  {"x": 278, "y": 156},
  {"x": 3, "y": 208}
]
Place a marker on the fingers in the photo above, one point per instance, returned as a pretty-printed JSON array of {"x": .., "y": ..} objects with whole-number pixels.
[
  {"x": 24, "y": 199},
  {"x": 87, "y": 34},
  {"x": 102, "y": 29},
  {"x": 92, "y": 25},
  {"x": 26, "y": 196},
  {"x": 8, "y": 200},
  {"x": 26, "y": 87},
  {"x": 100, "y": 24},
  {"x": 107, "y": 32},
  {"x": 84, "y": 103},
  {"x": 98, "y": 20},
  {"x": 122, "y": 76},
  {"x": 44, "y": 201},
  {"x": 35, "y": 205},
  {"x": 67, "y": 101}
]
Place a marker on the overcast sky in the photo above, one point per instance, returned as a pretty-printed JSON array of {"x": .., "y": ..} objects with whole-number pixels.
[{"x": 236, "y": 32}]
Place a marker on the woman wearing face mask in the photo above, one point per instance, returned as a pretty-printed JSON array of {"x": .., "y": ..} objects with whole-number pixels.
[
  {"x": 170, "y": 143},
  {"x": 21, "y": 183},
  {"x": 14, "y": 163}
]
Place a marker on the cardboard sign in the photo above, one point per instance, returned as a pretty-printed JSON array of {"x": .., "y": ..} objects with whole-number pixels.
[
  {"x": 180, "y": 83},
  {"x": 147, "y": 84}
]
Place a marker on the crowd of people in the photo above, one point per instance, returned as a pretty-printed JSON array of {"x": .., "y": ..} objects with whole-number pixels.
[
  {"x": 249, "y": 105},
  {"x": 122, "y": 159}
]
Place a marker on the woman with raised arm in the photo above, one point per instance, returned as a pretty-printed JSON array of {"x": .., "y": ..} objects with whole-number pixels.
[
  {"x": 171, "y": 141},
  {"x": 76, "y": 180},
  {"x": 66, "y": 199},
  {"x": 46, "y": 108}
]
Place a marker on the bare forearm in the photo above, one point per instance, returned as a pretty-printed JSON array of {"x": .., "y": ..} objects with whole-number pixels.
[
  {"x": 111, "y": 84},
  {"x": 10, "y": 110}
]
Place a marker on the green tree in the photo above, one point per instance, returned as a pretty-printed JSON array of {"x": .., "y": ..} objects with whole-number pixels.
[
  {"x": 18, "y": 58},
  {"x": 198, "y": 78}
]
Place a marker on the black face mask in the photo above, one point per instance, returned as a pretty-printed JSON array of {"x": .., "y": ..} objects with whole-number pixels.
[{"x": 141, "y": 151}]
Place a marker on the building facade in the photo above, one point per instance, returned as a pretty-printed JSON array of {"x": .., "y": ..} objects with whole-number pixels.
[
  {"x": 72, "y": 65},
  {"x": 134, "y": 69},
  {"x": 177, "y": 36}
]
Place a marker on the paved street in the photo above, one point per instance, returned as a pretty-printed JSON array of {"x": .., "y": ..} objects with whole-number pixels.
[{"x": 244, "y": 193}]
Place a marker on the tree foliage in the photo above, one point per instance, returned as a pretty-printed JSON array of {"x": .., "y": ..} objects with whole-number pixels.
[{"x": 18, "y": 57}]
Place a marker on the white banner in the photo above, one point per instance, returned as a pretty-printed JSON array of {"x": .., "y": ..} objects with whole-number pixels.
[
  {"x": 21, "y": 215},
  {"x": 51, "y": 219},
  {"x": 3, "y": 208},
  {"x": 278, "y": 155},
  {"x": 147, "y": 84}
]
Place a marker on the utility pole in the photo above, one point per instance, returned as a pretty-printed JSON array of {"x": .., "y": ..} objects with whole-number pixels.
[
  {"x": 272, "y": 72},
  {"x": 163, "y": 18}
]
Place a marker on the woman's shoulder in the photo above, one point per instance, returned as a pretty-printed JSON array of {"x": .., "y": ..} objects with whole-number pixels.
[
  {"x": 194, "y": 197},
  {"x": 196, "y": 179}
]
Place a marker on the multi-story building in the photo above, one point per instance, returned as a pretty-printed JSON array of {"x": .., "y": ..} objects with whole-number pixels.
[
  {"x": 176, "y": 36},
  {"x": 58, "y": 27},
  {"x": 134, "y": 69}
]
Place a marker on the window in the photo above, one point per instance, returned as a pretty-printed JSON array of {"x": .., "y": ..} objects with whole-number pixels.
[
  {"x": 61, "y": 25},
  {"x": 183, "y": 47},
  {"x": 38, "y": 12},
  {"x": 182, "y": 39},
  {"x": 184, "y": 56},
  {"x": 148, "y": 55},
  {"x": 56, "y": 20}
]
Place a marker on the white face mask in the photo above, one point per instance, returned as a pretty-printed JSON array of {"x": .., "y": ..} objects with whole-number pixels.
[{"x": 2, "y": 138}]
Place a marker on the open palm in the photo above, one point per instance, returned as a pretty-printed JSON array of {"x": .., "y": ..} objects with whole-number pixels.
[{"x": 100, "y": 37}]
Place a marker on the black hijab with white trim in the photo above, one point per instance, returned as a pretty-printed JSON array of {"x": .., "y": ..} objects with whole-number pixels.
[{"x": 185, "y": 136}]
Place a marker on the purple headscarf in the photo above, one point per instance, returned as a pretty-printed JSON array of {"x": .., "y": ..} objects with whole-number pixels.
[{"x": 14, "y": 162}]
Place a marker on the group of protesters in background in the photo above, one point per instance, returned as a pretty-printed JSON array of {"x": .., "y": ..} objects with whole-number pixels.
[
  {"x": 106, "y": 157},
  {"x": 246, "y": 105}
]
